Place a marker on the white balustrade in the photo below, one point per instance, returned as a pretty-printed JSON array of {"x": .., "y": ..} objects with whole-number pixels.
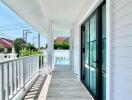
[
  {"x": 8, "y": 56},
  {"x": 16, "y": 73},
  {"x": 61, "y": 57}
]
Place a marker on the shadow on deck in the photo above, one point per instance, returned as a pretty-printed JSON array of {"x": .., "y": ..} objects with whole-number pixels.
[{"x": 33, "y": 93}]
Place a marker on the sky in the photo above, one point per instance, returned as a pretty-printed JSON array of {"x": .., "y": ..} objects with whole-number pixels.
[{"x": 12, "y": 26}]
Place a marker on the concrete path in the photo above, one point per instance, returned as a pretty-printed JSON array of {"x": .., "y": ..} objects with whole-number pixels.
[{"x": 65, "y": 86}]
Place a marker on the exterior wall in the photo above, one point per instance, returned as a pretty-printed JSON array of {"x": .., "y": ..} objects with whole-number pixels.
[{"x": 121, "y": 53}]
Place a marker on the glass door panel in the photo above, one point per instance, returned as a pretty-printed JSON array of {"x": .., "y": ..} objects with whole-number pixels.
[
  {"x": 104, "y": 21},
  {"x": 104, "y": 52},
  {"x": 87, "y": 53},
  {"x": 93, "y": 28},
  {"x": 86, "y": 77},
  {"x": 93, "y": 49},
  {"x": 104, "y": 86},
  {"x": 87, "y": 32},
  {"x": 93, "y": 54},
  {"x": 87, "y": 43},
  {"x": 93, "y": 79}
]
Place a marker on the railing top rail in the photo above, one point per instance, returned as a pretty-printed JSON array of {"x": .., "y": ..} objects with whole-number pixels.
[{"x": 10, "y": 60}]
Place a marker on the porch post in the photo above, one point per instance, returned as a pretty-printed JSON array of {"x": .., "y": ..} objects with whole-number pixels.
[
  {"x": 71, "y": 48},
  {"x": 50, "y": 45}
]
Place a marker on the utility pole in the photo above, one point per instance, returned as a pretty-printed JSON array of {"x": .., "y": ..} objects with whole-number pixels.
[
  {"x": 33, "y": 41},
  {"x": 26, "y": 32}
]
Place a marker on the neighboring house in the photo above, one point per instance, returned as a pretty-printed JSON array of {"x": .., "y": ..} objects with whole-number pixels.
[
  {"x": 61, "y": 38},
  {"x": 6, "y": 44}
]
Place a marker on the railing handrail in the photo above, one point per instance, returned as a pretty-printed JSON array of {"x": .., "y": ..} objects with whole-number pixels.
[{"x": 10, "y": 60}]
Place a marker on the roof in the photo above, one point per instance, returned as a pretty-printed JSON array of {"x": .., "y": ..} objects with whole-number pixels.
[
  {"x": 6, "y": 43},
  {"x": 62, "y": 38}
]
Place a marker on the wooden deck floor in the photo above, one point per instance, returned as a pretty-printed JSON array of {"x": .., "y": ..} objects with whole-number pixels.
[{"x": 65, "y": 86}]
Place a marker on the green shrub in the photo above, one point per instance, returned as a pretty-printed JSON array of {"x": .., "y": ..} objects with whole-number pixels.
[
  {"x": 29, "y": 50},
  {"x": 1, "y": 49}
]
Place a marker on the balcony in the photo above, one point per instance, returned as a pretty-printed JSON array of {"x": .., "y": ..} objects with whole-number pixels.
[{"x": 29, "y": 78}]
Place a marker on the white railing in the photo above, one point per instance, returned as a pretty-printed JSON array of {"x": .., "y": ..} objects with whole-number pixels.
[
  {"x": 61, "y": 57},
  {"x": 8, "y": 56},
  {"x": 16, "y": 73}
]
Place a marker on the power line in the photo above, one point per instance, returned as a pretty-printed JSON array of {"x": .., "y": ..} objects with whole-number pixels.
[
  {"x": 7, "y": 14},
  {"x": 11, "y": 25},
  {"x": 14, "y": 28},
  {"x": 5, "y": 35},
  {"x": 6, "y": 17}
]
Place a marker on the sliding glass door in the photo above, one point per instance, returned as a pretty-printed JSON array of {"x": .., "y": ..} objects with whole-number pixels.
[
  {"x": 89, "y": 54},
  {"x": 94, "y": 53}
]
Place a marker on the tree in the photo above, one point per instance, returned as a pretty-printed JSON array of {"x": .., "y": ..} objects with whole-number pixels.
[
  {"x": 61, "y": 44},
  {"x": 29, "y": 49},
  {"x": 1, "y": 49},
  {"x": 65, "y": 44},
  {"x": 19, "y": 43}
]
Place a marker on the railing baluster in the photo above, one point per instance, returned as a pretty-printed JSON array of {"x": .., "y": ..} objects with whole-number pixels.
[
  {"x": 7, "y": 80},
  {"x": 30, "y": 66},
  {"x": 24, "y": 74},
  {"x": 42, "y": 60},
  {"x": 15, "y": 78},
  {"x": 18, "y": 74},
  {"x": 1, "y": 82},
  {"x": 28, "y": 69},
  {"x": 12, "y": 78}
]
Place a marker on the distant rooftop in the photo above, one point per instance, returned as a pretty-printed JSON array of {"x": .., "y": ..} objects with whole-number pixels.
[{"x": 6, "y": 43}]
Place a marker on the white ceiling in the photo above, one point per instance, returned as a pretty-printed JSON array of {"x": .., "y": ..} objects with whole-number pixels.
[
  {"x": 62, "y": 10},
  {"x": 38, "y": 12}
]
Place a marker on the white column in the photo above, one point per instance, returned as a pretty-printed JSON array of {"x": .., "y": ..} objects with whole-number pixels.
[
  {"x": 71, "y": 49},
  {"x": 50, "y": 45}
]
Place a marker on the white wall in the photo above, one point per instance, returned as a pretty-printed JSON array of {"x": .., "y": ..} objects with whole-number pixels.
[
  {"x": 88, "y": 8},
  {"x": 121, "y": 50}
]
